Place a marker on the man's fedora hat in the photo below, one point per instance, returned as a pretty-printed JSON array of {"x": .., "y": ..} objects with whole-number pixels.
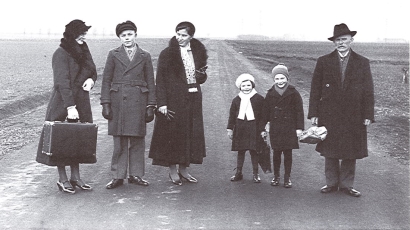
[{"x": 340, "y": 30}]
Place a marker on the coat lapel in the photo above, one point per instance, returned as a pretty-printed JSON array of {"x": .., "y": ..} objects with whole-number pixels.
[
  {"x": 349, "y": 69},
  {"x": 122, "y": 56},
  {"x": 334, "y": 65},
  {"x": 138, "y": 57}
]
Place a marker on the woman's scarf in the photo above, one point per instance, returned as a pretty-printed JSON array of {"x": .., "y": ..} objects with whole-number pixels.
[
  {"x": 82, "y": 56},
  {"x": 245, "y": 109}
]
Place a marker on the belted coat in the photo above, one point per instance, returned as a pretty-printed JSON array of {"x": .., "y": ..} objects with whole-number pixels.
[
  {"x": 128, "y": 86},
  {"x": 342, "y": 108}
]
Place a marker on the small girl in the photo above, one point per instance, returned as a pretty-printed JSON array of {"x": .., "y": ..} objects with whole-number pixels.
[
  {"x": 245, "y": 124},
  {"x": 283, "y": 109}
]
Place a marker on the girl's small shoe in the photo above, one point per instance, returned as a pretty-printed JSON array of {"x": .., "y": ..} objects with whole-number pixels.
[
  {"x": 275, "y": 181},
  {"x": 256, "y": 178},
  {"x": 238, "y": 176},
  {"x": 287, "y": 184}
]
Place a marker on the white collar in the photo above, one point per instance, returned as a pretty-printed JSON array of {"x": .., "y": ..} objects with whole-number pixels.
[{"x": 343, "y": 56}]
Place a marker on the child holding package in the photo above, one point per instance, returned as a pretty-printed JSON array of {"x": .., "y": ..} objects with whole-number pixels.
[
  {"x": 283, "y": 109},
  {"x": 245, "y": 124}
]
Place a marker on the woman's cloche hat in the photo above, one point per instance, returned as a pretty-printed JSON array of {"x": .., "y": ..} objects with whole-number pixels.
[
  {"x": 340, "y": 30},
  {"x": 244, "y": 77},
  {"x": 75, "y": 28}
]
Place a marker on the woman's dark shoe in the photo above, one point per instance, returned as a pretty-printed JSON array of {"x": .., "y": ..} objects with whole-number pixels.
[
  {"x": 287, "y": 184},
  {"x": 275, "y": 181},
  {"x": 190, "y": 178},
  {"x": 237, "y": 177},
  {"x": 65, "y": 187},
  {"x": 256, "y": 178},
  {"x": 114, "y": 183},
  {"x": 137, "y": 180},
  {"x": 177, "y": 182},
  {"x": 80, "y": 184}
]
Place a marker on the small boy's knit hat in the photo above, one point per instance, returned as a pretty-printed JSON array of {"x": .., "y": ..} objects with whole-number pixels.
[
  {"x": 280, "y": 69},
  {"x": 244, "y": 77}
]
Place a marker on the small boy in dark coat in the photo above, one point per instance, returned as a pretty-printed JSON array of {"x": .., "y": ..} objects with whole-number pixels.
[
  {"x": 283, "y": 109},
  {"x": 245, "y": 124}
]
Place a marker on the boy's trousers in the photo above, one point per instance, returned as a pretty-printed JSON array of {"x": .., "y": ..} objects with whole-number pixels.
[{"x": 129, "y": 153}]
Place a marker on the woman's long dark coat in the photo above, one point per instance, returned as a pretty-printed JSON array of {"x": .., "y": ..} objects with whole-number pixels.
[
  {"x": 247, "y": 134},
  {"x": 182, "y": 140},
  {"x": 285, "y": 114},
  {"x": 342, "y": 109},
  {"x": 69, "y": 77}
]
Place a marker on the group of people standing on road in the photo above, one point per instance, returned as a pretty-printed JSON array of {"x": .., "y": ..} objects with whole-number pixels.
[{"x": 341, "y": 99}]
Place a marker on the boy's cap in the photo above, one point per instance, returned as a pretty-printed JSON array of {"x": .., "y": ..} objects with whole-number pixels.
[
  {"x": 244, "y": 77},
  {"x": 128, "y": 25},
  {"x": 280, "y": 69}
]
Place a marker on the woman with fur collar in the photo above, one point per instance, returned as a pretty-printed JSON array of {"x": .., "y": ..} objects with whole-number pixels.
[
  {"x": 74, "y": 74},
  {"x": 178, "y": 137}
]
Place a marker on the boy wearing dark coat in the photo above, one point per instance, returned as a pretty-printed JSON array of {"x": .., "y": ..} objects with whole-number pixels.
[
  {"x": 283, "y": 109},
  {"x": 128, "y": 101},
  {"x": 245, "y": 124}
]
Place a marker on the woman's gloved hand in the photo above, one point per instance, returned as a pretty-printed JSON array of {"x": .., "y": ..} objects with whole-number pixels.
[
  {"x": 88, "y": 84},
  {"x": 72, "y": 113},
  {"x": 106, "y": 111}
]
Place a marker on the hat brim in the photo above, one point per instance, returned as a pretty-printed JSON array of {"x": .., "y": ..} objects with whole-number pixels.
[{"x": 353, "y": 33}]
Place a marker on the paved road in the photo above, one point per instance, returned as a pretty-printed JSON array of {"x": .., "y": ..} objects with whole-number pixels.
[{"x": 30, "y": 198}]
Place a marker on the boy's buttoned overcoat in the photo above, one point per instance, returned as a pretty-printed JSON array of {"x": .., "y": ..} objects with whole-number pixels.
[
  {"x": 285, "y": 114},
  {"x": 129, "y": 86}
]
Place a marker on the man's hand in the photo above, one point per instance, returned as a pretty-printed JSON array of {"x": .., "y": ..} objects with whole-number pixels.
[
  {"x": 230, "y": 133},
  {"x": 314, "y": 121}
]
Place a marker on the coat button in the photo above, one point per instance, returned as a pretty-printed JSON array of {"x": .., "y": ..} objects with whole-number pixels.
[{"x": 327, "y": 85}]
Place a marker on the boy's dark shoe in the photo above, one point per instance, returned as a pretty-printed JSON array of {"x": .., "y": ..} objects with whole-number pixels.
[
  {"x": 328, "y": 189},
  {"x": 275, "y": 181}
]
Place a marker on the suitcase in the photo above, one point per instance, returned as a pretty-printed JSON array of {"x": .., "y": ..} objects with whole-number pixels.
[{"x": 72, "y": 140}]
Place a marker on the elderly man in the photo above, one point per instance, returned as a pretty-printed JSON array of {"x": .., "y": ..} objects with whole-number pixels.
[{"x": 342, "y": 100}]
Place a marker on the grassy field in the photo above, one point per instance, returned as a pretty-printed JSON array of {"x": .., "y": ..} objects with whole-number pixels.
[{"x": 391, "y": 130}]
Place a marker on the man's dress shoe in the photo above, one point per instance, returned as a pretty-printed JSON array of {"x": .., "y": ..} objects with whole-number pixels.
[
  {"x": 137, "y": 180},
  {"x": 328, "y": 189},
  {"x": 351, "y": 192}
]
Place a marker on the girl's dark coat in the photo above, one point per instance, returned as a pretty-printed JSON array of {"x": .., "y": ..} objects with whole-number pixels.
[
  {"x": 285, "y": 114},
  {"x": 242, "y": 139},
  {"x": 69, "y": 75},
  {"x": 175, "y": 142},
  {"x": 342, "y": 109},
  {"x": 128, "y": 86}
]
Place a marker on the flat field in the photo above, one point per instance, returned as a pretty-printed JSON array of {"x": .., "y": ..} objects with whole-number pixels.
[{"x": 391, "y": 130}]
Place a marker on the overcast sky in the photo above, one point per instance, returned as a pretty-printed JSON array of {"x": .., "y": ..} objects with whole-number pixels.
[{"x": 301, "y": 19}]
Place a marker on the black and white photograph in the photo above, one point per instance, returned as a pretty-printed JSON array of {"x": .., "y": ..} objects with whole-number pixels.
[{"x": 208, "y": 115}]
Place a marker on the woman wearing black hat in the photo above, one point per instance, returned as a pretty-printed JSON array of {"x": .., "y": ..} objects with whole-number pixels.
[
  {"x": 178, "y": 137},
  {"x": 74, "y": 74}
]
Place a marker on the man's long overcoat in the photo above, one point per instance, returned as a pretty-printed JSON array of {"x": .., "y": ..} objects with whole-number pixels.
[{"x": 342, "y": 108}]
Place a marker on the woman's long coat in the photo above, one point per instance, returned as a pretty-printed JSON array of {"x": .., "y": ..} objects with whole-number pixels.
[
  {"x": 247, "y": 134},
  {"x": 285, "y": 114},
  {"x": 68, "y": 76},
  {"x": 128, "y": 86},
  {"x": 182, "y": 140},
  {"x": 342, "y": 109}
]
